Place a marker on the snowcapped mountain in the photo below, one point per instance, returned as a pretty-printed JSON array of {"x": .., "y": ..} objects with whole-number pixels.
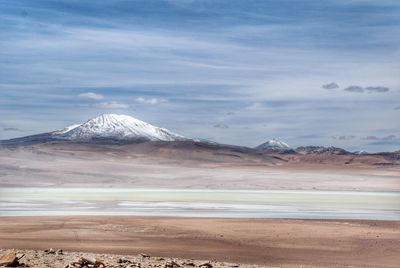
[
  {"x": 115, "y": 127},
  {"x": 106, "y": 128},
  {"x": 274, "y": 145}
]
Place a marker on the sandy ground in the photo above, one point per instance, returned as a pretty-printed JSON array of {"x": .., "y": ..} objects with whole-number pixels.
[
  {"x": 83, "y": 167},
  {"x": 278, "y": 243},
  {"x": 264, "y": 242}
]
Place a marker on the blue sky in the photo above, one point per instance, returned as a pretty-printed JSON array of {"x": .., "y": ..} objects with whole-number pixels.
[{"x": 239, "y": 72}]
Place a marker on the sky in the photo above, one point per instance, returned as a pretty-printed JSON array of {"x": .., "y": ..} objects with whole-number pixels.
[{"x": 238, "y": 72}]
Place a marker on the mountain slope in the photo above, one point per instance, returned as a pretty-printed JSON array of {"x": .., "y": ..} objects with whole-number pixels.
[
  {"x": 319, "y": 150},
  {"x": 106, "y": 128}
]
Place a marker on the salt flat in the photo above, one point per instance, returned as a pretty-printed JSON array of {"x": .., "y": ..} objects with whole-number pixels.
[{"x": 200, "y": 203}]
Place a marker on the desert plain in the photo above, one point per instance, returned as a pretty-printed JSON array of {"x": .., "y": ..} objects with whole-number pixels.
[{"x": 222, "y": 206}]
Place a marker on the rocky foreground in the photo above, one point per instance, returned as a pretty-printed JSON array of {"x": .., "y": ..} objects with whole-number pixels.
[
  {"x": 62, "y": 259},
  {"x": 224, "y": 242}
]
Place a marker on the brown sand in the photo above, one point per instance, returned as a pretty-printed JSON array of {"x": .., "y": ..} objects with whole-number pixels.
[
  {"x": 82, "y": 166},
  {"x": 272, "y": 242}
]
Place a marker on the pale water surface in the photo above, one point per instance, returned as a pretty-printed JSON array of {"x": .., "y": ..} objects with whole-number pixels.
[{"x": 200, "y": 203}]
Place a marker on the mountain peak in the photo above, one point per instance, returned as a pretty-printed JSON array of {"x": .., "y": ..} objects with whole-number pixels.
[
  {"x": 274, "y": 145},
  {"x": 117, "y": 127},
  {"x": 115, "y": 117}
]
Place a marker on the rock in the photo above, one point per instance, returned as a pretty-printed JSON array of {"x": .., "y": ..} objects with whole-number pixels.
[
  {"x": 50, "y": 251},
  {"x": 60, "y": 252},
  {"x": 144, "y": 255},
  {"x": 135, "y": 264},
  {"x": 206, "y": 265},
  {"x": 123, "y": 260},
  {"x": 171, "y": 264},
  {"x": 9, "y": 258},
  {"x": 84, "y": 262},
  {"x": 190, "y": 263}
]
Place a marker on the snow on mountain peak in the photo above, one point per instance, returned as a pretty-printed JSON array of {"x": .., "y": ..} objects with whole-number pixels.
[
  {"x": 116, "y": 127},
  {"x": 66, "y": 129},
  {"x": 274, "y": 145}
]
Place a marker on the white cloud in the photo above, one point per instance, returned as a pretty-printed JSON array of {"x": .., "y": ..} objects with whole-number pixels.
[
  {"x": 110, "y": 105},
  {"x": 91, "y": 95},
  {"x": 150, "y": 100}
]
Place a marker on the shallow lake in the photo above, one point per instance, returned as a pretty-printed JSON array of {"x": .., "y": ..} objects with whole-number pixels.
[{"x": 200, "y": 203}]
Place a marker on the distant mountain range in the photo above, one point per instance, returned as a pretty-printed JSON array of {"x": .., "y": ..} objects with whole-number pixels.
[
  {"x": 280, "y": 147},
  {"x": 124, "y": 129}
]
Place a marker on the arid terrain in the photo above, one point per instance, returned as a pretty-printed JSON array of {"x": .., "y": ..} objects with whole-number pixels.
[
  {"x": 358, "y": 186},
  {"x": 200, "y": 133},
  {"x": 58, "y": 258},
  {"x": 188, "y": 165},
  {"x": 265, "y": 242}
]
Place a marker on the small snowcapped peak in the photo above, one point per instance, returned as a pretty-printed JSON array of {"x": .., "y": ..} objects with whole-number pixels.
[
  {"x": 116, "y": 127},
  {"x": 274, "y": 145},
  {"x": 279, "y": 143}
]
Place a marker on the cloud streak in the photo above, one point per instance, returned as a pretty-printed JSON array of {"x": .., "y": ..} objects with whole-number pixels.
[
  {"x": 359, "y": 89},
  {"x": 91, "y": 95},
  {"x": 11, "y": 129},
  {"x": 385, "y": 138},
  {"x": 110, "y": 105},
  {"x": 356, "y": 89},
  {"x": 377, "y": 89},
  {"x": 221, "y": 125},
  {"x": 330, "y": 86},
  {"x": 152, "y": 101},
  {"x": 342, "y": 138}
]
